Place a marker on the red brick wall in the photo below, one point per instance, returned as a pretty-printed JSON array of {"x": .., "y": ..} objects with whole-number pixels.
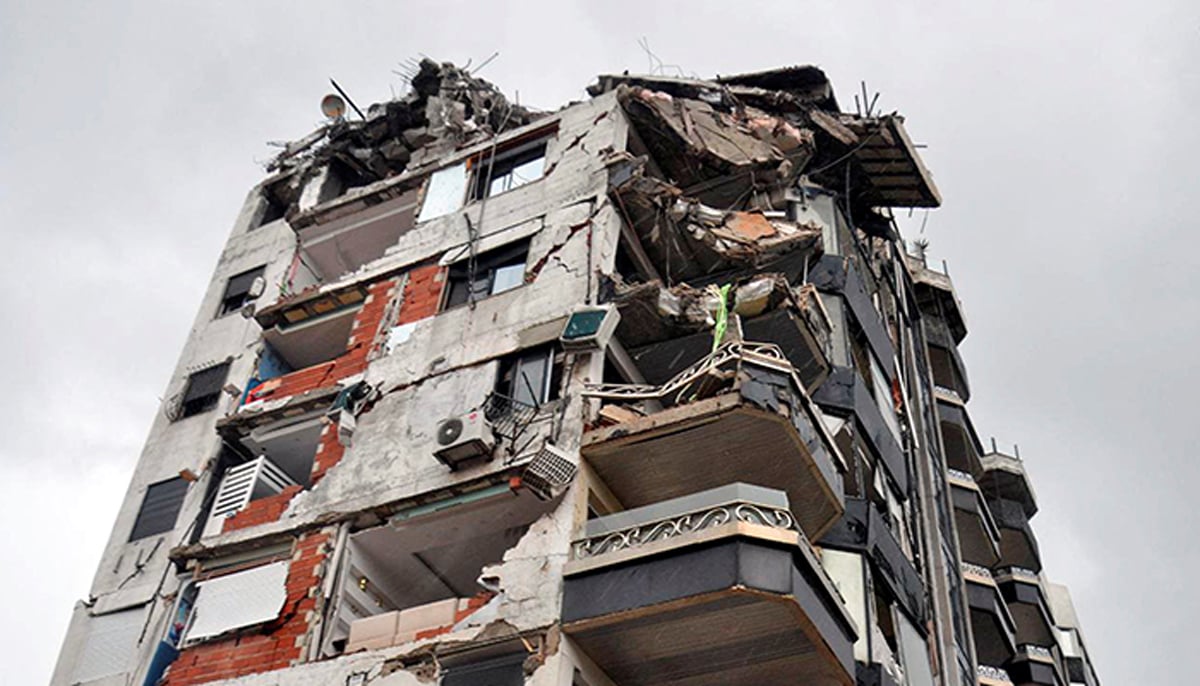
[
  {"x": 276, "y": 645},
  {"x": 261, "y": 511},
  {"x": 422, "y": 293},
  {"x": 329, "y": 452},
  {"x": 351, "y": 362}
]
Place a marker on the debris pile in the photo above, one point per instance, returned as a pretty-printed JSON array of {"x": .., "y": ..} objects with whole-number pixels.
[{"x": 446, "y": 108}]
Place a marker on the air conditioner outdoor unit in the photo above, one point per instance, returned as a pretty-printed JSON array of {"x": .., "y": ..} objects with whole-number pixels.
[
  {"x": 465, "y": 438},
  {"x": 589, "y": 328},
  {"x": 550, "y": 472}
]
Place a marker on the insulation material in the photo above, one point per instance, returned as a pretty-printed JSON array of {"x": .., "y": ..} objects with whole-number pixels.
[
  {"x": 109, "y": 646},
  {"x": 239, "y": 600}
]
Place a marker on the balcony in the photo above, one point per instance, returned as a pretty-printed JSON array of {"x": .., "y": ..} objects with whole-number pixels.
[
  {"x": 740, "y": 414},
  {"x": 1035, "y": 666},
  {"x": 1004, "y": 477},
  {"x": 1022, "y": 590},
  {"x": 845, "y": 393},
  {"x": 962, "y": 445},
  {"x": 1018, "y": 545},
  {"x": 863, "y": 530},
  {"x": 945, "y": 362},
  {"x": 978, "y": 535},
  {"x": 991, "y": 622},
  {"x": 716, "y": 588},
  {"x": 988, "y": 675},
  {"x": 667, "y": 330},
  {"x": 937, "y": 298}
]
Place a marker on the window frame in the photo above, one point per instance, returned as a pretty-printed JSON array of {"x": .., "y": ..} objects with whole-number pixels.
[
  {"x": 226, "y": 308},
  {"x": 138, "y": 531},
  {"x": 487, "y": 169},
  {"x": 188, "y": 406},
  {"x": 551, "y": 372},
  {"x": 487, "y": 265}
]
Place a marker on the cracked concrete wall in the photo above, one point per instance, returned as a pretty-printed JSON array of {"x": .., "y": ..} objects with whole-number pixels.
[
  {"x": 445, "y": 367},
  {"x": 129, "y": 571}
]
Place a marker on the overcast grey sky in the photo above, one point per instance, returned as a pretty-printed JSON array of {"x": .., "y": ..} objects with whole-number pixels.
[{"x": 1061, "y": 134}]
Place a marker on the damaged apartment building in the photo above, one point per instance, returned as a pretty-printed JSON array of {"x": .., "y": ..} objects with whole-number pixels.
[{"x": 646, "y": 390}]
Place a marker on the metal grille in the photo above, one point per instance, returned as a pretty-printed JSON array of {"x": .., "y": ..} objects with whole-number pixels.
[
  {"x": 508, "y": 417},
  {"x": 548, "y": 473}
]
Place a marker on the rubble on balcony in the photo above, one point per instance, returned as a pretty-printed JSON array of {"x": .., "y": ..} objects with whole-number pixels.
[
  {"x": 737, "y": 142},
  {"x": 686, "y": 237},
  {"x": 667, "y": 329},
  {"x": 446, "y": 108}
]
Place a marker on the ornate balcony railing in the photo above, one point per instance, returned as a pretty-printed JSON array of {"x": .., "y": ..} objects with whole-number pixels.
[
  {"x": 993, "y": 673},
  {"x": 688, "y": 522}
]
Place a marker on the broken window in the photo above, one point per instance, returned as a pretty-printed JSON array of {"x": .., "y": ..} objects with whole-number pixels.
[
  {"x": 509, "y": 169},
  {"x": 160, "y": 508},
  {"x": 493, "y": 272},
  {"x": 530, "y": 376},
  {"x": 238, "y": 291},
  {"x": 272, "y": 210},
  {"x": 203, "y": 390}
]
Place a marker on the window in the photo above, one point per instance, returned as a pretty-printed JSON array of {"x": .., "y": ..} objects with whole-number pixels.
[
  {"x": 444, "y": 192},
  {"x": 510, "y": 169},
  {"x": 496, "y": 271},
  {"x": 499, "y": 671},
  {"x": 203, "y": 390},
  {"x": 238, "y": 291},
  {"x": 160, "y": 508},
  {"x": 530, "y": 376}
]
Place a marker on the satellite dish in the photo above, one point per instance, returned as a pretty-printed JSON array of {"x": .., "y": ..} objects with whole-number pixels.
[{"x": 333, "y": 106}]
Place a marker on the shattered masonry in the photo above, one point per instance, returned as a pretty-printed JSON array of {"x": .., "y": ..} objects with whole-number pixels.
[{"x": 646, "y": 390}]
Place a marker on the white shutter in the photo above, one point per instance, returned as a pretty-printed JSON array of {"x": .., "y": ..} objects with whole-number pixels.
[
  {"x": 257, "y": 478},
  {"x": 109, "y": 645},
  {"x": 239, "y": 600}
]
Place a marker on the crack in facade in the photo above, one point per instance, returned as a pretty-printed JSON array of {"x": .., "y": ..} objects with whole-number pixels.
[{"x": 647, "y": 390}]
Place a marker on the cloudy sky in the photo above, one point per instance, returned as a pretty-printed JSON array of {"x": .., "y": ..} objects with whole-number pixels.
[{"x": 1061, "y": 134}]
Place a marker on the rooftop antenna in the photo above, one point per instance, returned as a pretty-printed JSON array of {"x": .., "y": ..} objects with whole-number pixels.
[
  {"x": 408, "y": 69},
  {"x": 347, "y": 98},
  {"x": 485, "y": 62},
  {"x": 867, "y": 102},
  {"x": 657, "y": 67}
]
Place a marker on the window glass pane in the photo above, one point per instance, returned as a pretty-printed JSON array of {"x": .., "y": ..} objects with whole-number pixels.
[
  {"x": 527, "y": 172},
  {"x": 445, "y": 192},
  {"x": 530, "y": 379},
  {"x": 508, "y": 278}
]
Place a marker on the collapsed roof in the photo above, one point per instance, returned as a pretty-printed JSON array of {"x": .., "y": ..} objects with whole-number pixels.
[{"x": 446, "y": 108}]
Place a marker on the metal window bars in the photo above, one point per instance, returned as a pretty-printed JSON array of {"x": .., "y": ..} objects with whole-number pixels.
[{"x": 509, "y": 417}]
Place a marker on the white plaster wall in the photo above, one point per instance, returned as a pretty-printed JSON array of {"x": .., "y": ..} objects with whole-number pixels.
[{"x": 446, "y": 367}]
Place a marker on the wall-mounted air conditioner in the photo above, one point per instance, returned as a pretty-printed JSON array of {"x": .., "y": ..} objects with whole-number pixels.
[
  {"x": 550, "y": 472},
  {"x": 589, "y": 328},
  {"x": 465, "y": 438}
]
